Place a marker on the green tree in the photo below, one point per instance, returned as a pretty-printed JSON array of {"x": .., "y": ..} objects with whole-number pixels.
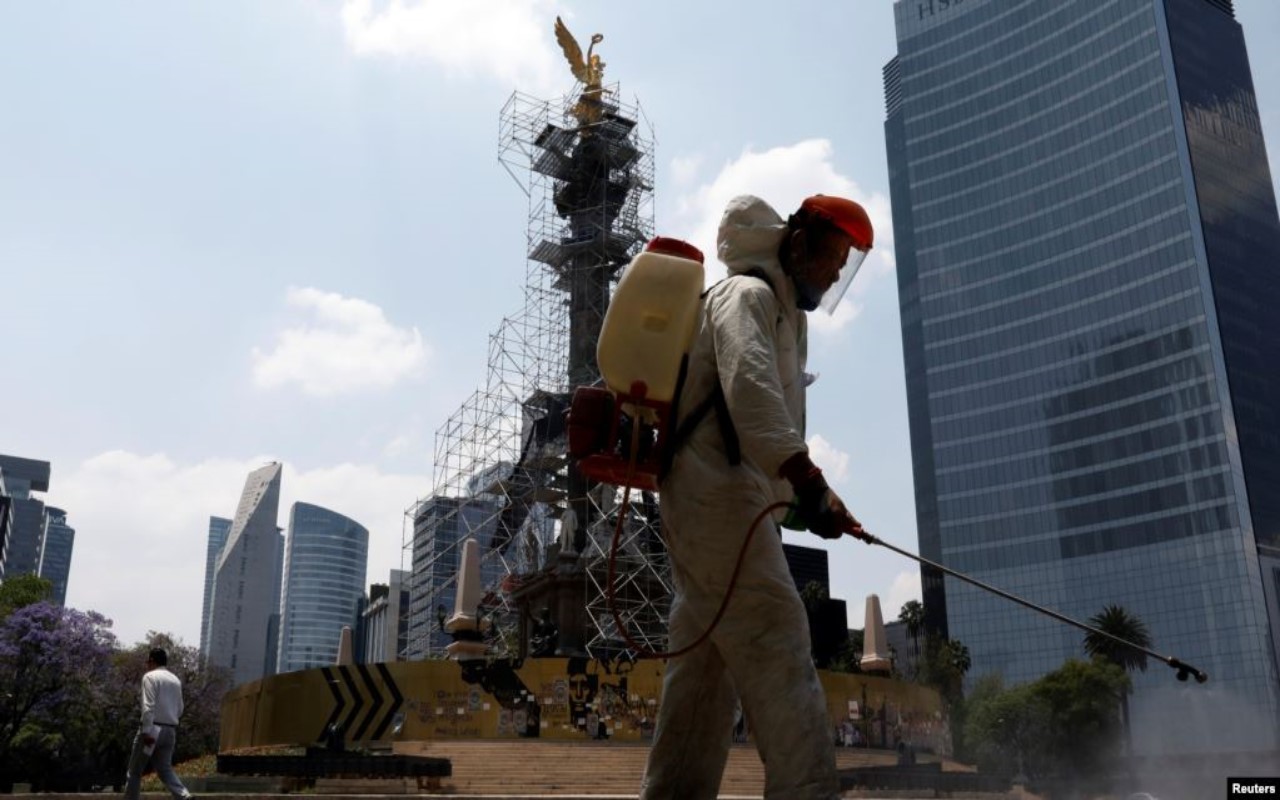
[
  {"x": 203, "y": 687},
  {"x": 943, "y": 666},
  {"x": 849, "y": 657},
  {"x": 22, "y": 590},
  {"x": 912, "y": 615},
  {"x": 1084, "y": 724},
  {"x": 813, "y": 595},
  {"x": 116, "y": 717},
  {"x": 1001, "y": 728},
  {"x": 957, "y": 656},
  {"x": 1063, "y": 726},
  {"x": 1118, "y": 622}
]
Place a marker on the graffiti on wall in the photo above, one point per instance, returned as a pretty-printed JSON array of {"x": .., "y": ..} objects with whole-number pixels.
[
  {"x": 592, "y": 697},
  {"x": 557, "y": 698}
]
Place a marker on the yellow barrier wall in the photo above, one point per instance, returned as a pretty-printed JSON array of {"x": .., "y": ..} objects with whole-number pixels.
[{"x": 555, "y": 698}]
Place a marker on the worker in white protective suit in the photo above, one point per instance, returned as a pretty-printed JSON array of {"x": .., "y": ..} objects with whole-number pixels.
[{"x": 739, "y": 450}]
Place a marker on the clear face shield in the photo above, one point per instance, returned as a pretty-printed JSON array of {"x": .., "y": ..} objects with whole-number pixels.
[{"x": 835, "y": 293}]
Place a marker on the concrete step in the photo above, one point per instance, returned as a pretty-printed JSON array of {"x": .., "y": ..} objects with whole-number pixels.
[{"x": 586, "y": 767}]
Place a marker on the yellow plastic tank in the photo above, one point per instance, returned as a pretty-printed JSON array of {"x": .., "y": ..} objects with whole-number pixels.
[{"x": 650, "y": 319}]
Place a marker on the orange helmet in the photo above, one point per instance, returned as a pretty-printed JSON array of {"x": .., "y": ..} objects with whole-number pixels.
[
  {"x": 846, "y": 215},
  {"x": 852, "y": 219}
]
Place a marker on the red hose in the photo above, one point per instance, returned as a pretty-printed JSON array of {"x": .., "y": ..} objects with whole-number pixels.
[{"x": 640, "y": 650}]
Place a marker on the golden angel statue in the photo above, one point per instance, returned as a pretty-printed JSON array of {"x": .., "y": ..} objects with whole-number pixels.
[{"x": 589, "y": 71}]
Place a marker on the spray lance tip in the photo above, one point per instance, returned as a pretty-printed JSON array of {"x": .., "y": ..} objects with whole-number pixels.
[{"x": 1186, "y": 670}]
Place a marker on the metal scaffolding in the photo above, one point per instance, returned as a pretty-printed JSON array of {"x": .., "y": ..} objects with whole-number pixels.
[{"x": 501, "y": 465}]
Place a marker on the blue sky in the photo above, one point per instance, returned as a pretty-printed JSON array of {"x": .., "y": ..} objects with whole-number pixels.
[{"x": 251, "y": 231}]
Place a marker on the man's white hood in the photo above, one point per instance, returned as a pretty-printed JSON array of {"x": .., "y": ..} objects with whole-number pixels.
[{"x": 749, "y": 236}]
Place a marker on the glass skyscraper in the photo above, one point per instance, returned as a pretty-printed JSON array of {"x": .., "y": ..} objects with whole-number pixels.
[
  {"x": 440, "y": 526},
  {"x": 1088, "y": 257},
  {"x": 56, "y": 544},
  {"x": 326, "y": 557},
  {"x": 24, "y": 522},
  {"x": 219, "y": 528}
]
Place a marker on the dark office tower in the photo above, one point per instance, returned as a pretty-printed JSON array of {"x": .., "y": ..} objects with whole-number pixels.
[
  {"x": 440, "y": 526},
  {"x": 56, "y": 545},
  {"x": 218, "y": 530},
  {"x": 1088, "y": 254},
  {"x": 24, "y": 531}
]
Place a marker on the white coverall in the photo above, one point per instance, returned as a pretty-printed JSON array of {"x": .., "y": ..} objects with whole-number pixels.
[{"x": 753, "y": 339}]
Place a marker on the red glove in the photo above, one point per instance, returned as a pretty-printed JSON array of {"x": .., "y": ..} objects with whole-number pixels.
[{"x": 819, "y": 508}]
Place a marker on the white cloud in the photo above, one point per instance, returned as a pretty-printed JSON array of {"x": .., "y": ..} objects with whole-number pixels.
[
  {"x": 906, "y": 586},
  {"x": 510, "y": 40},
  {"x": 783, "y": 176},
  {"x": 142, "y": 524},
  {"x": 398, "y": 446},
  {"x": 345, "y": 345},
  {"x": 833, "y": 463},
  {"x": 822, "y": 323},
  {"x": 684, "y": 169}
]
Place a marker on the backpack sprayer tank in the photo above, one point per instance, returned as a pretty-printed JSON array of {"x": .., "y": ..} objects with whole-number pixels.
[{"x": 646, "y": 332}]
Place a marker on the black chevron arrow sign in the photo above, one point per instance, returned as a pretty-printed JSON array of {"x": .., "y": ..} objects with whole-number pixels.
[
  {"x": 358, "y": 700},
  {"x": 361, "y": 685},
  {"x": 398, "y": 699},
  {"x": 338, "y": 702},
  {"x": 377, "y": 701}
]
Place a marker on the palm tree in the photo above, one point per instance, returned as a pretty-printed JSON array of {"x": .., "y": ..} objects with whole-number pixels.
[
  {"x": 813, "y": 595},
  {"x": 912, "y": 614},
  {"x": 952, "y": 663},
  {"x": 958, "y": 656},
  {"x": 1118, "y": 622}
]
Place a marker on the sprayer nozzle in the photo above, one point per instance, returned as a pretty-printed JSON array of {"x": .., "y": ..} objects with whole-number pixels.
[{"x": 1186, "y": 671}]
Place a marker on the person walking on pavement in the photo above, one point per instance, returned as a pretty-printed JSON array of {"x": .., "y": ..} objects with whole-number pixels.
[
  {"x": 157, "y": 734},
  {"x": 740, "y": 450}
]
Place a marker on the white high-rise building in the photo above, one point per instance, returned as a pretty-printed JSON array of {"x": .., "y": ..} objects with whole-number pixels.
[
  {"x": 386, "y": 620},
  {"x": 246, "y": 585}
]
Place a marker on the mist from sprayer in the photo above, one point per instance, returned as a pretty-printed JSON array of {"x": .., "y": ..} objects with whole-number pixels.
[{"x": 1176, "y": 724}]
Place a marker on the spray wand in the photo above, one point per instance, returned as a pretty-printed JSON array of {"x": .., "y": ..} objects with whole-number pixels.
[{"x": 1184, "y": 669}]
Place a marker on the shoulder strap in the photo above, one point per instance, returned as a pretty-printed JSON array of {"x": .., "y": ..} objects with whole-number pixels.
[
  {"x": 716, "y": 400},
  {"x": 756, "y": 272}
]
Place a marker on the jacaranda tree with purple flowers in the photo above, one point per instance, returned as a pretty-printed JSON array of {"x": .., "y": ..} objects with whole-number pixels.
[{"x": 54, "y": 665}]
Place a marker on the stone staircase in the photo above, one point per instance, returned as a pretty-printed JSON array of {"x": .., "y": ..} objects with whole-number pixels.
[{"x": 530, "y": 767}]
